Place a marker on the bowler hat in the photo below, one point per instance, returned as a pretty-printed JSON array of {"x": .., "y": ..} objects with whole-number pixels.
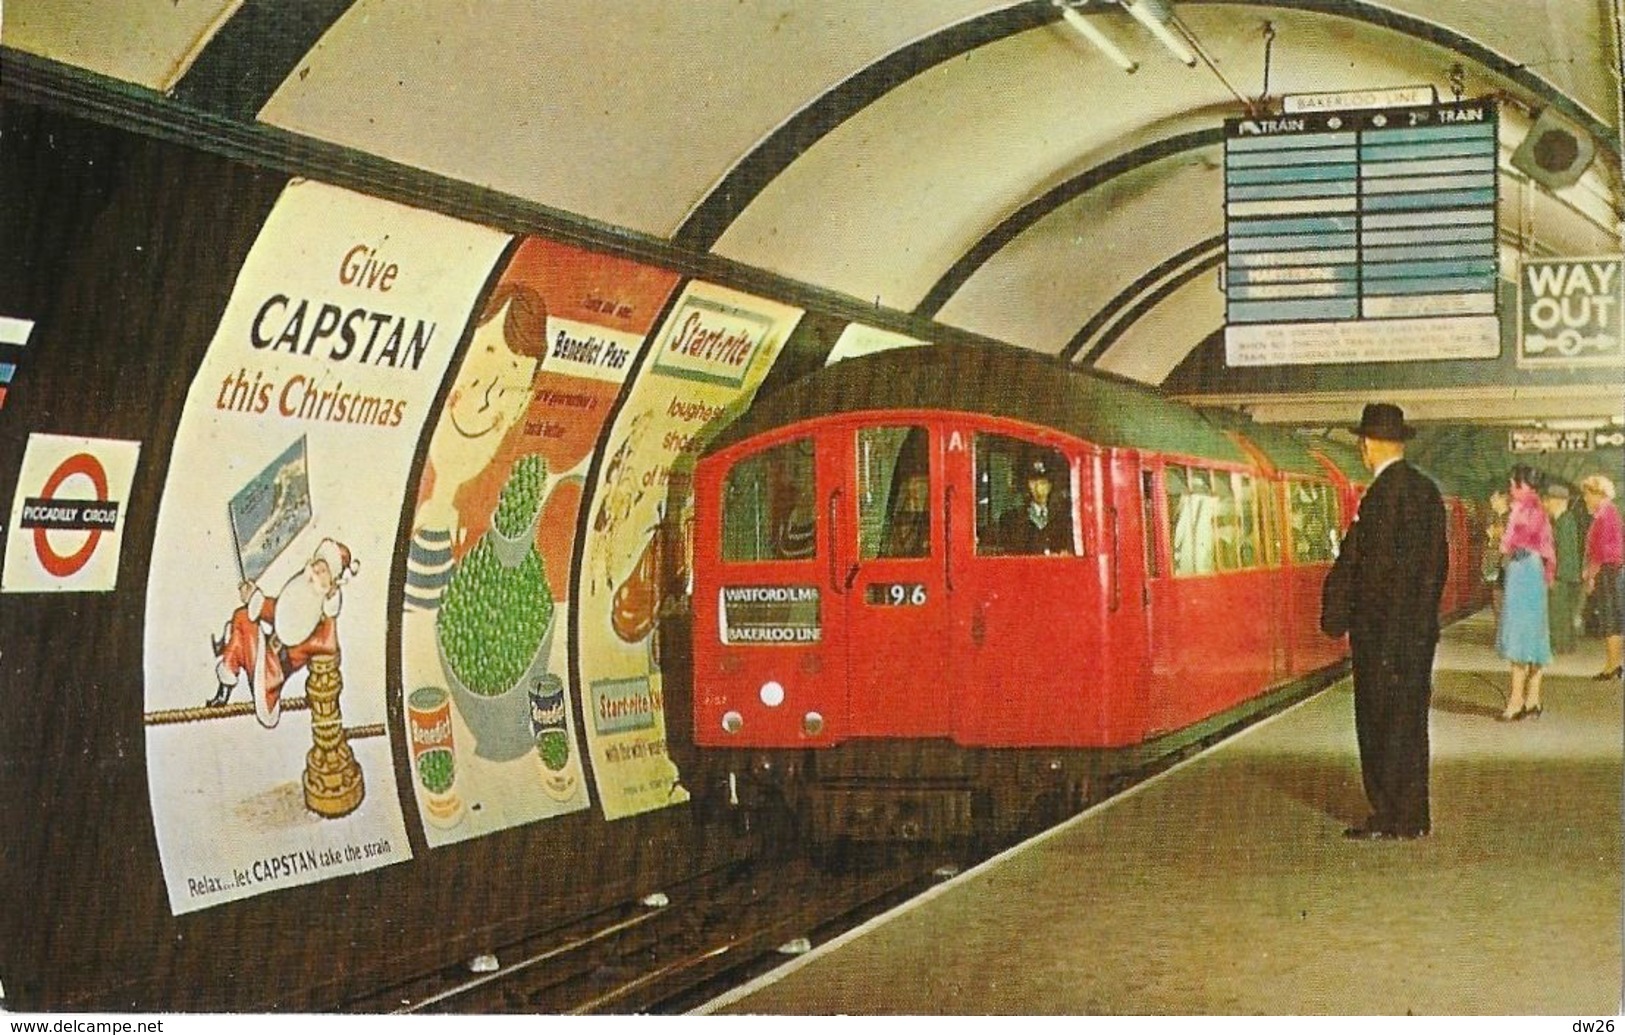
[
  {"x": 1556, "y": 491},
  {"x": 1384, "y": 421}
]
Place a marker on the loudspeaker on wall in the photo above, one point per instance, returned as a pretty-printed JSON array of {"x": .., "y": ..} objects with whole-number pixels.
[{"x": 1556, "y": 151}]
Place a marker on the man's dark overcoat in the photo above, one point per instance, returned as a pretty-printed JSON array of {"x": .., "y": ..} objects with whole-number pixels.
[{"x": 1385, "y": 589}]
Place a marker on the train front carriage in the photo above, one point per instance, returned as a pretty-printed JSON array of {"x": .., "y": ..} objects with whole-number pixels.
[
  {"x": 891, "y": 574},
  {"x": 974, "y": 577}
]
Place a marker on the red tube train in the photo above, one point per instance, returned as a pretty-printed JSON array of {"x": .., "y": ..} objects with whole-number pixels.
[{"x": 942, "y": 591}]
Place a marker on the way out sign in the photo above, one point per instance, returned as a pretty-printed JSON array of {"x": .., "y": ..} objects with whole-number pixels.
[
  {"x": 1570, "y": 312},
  {"x": 67, "y": 519}
]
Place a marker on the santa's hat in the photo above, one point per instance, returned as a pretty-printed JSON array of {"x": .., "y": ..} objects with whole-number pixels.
[{"x": 338, "y": 559}]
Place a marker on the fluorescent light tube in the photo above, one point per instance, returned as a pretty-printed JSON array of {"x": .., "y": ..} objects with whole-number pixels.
[
  {"x": 1143, "y": 13},
  {"x": 1098, "y": 38}
]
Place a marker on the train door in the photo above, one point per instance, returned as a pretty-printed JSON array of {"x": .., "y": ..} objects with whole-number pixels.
[
  {"x": 1266, "y": 504},
  {"x": 769, "y": 642},
  {"x": 1128, "y": 560},
  {"x": 1028, "y": 650},
  {"x": 893, "y": 562}
]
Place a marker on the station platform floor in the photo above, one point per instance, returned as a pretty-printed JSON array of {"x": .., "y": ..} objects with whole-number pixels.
[{"x": 1225, "y": 887}]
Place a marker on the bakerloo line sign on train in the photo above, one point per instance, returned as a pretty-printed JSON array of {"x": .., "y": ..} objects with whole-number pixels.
[{"x": 941, "y": 590}]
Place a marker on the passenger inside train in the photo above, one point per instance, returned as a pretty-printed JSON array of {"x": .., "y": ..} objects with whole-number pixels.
[{"x": 898, "y": 458}]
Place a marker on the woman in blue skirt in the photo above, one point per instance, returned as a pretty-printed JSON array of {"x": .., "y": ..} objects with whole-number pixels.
[{"x": 1523, "y": 636}]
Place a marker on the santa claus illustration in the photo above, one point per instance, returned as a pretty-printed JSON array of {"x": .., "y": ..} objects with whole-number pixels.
[{"x": 269, "y": 639}]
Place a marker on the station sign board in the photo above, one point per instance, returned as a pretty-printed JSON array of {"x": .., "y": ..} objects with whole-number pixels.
[
  {"x": 1554, "y": 440},
  {"x": 1571, "y": 312},
  {"x": 1347, "y": 100},
  {"x": 1362, "y": 235}
]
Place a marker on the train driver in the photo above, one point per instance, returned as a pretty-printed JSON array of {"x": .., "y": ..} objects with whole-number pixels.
[{"x": 1041, "y": 522}]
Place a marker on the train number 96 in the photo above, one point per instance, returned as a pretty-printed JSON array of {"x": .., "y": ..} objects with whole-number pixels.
[{"x": 895, "y": 594}]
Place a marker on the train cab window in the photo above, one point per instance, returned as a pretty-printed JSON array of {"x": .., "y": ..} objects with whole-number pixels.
[
  {"x": 1313, "y": 521},
  {"x": 894, "y": 492},
  {"x": 769, "y": 508},
  {"x": 1024, "y": 495}
]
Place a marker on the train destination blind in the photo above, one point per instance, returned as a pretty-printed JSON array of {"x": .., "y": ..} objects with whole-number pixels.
[{"x": 1361, "y": 236}]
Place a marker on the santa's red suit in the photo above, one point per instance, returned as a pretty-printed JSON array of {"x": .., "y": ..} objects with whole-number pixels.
[{"x": 270, "y": 642}]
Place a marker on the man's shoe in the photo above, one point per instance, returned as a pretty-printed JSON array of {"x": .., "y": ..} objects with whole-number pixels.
[{"x": 1366, "y": 832}]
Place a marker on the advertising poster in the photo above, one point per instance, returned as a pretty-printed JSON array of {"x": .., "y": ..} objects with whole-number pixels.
[
  {"x": 1571, "y": 312},
  {"x": 703, "y": 367},
  {"x": 270, "y": 761},
  {"x": 861, "y": 340},
  {"x": 485, "y": 656},
  {"x": 67, "y": 518}
]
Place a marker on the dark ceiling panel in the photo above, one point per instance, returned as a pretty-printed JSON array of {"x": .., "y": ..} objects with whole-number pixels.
[
  {"x": 1025, "y": 217},
  {"x": 263, "y": 43},
  {"x": 1120, "y": 314},
  {"x": 747, "y": 179},
  {"x": 1360, "y": 10}
]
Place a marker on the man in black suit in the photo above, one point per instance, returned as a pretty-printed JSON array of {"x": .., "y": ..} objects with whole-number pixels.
[
  {"x": 1039, "y": 524},
  {"x": 1384, "y": 592}
]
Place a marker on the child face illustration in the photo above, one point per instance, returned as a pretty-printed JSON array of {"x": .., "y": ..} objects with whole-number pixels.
[{"x": 491, "y": 392}]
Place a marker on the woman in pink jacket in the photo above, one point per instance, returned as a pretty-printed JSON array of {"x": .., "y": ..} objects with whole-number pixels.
[{"x": 1523, "y": 635}]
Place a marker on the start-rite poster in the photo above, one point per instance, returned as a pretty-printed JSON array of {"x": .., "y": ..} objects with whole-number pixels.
[
  {"x": 704, "y": 364},
  {"x": 268, "y": 742}
]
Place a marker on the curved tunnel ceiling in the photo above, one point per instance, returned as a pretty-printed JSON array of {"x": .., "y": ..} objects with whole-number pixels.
[{"x": 973, "y": 162}]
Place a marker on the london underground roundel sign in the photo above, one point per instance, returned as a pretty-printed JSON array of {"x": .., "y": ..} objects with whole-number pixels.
[{"x": 65, "y": 534}]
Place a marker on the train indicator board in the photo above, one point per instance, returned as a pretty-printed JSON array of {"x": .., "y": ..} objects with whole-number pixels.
[{"x": 1361, "y": 236}]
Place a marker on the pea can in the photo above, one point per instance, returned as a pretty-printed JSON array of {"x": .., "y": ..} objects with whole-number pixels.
[
  {"x": 548, "y": 721},
  {"x": 434, "y": 754}
]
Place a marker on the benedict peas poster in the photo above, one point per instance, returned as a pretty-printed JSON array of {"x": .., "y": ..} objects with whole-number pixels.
[
  {"x": 704, "y": 365},
  {"x": 486, "y": 662},
  {"x": 270, "y": 762}
]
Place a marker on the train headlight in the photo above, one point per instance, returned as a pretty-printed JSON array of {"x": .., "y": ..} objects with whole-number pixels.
[
  {"x": 772, "y": 693},
  {"x": 812, "y": 724},
  {"x": 732, "y": 722}
]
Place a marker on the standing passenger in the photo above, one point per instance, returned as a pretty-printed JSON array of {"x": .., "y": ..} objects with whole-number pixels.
[
  {"x": 1387, "y": 582},
  {"x": 1523, "y": 636},
  {"x": 1605, "y": 549},
  {"x": 1564, "y": 600},
  {"x": 1492, "y": 560}
]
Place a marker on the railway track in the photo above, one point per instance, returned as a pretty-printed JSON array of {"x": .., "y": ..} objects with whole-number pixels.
[
  {"x": 671, "y": 950},
  {"x": 678, "y": 948}
]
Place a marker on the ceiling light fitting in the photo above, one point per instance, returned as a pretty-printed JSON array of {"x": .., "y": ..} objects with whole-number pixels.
[
  {"x": 1095, "y": 36},
  {"x": 1155, "y": 16}
]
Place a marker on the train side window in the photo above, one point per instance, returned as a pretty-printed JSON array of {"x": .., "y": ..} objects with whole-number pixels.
[
  {"x": 1247, "y": 520},
  {"x": 894, "y": 492},
  {"x": 1024, "y": 497},
  {"x": 1312, "y": 520},
  {"x": 1269, "y": 524},
  {"x": 1191, "y": 508},
  {"x": 1226, "y": 521},
  {"x": 769, "y": 505}
]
